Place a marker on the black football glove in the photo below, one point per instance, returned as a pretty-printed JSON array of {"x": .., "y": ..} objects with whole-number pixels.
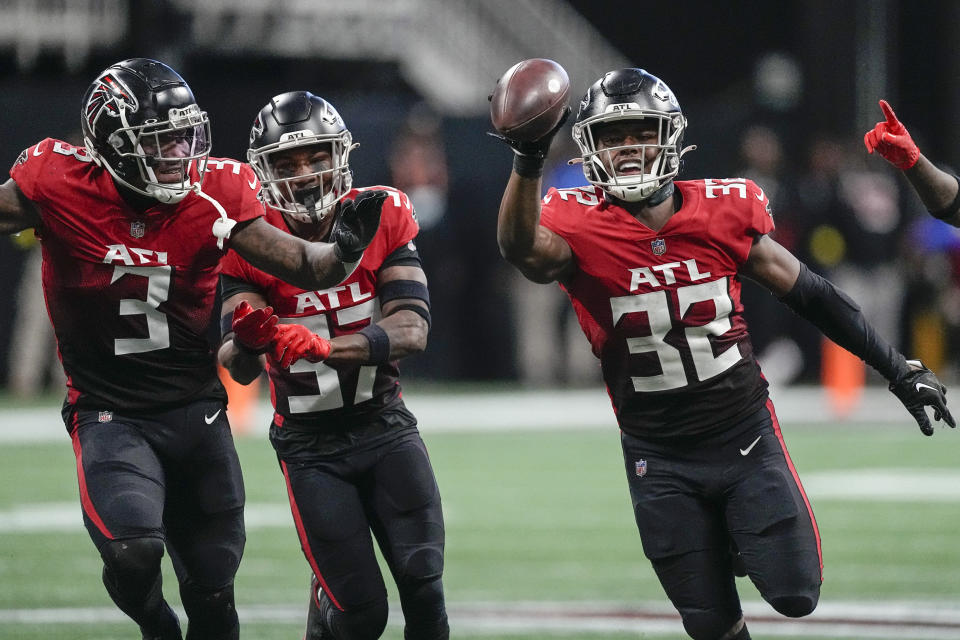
[
  {"x": 356, "y": 225},
  {"x": 529, "y": 155},
  {"x": 918, "y": 389}
]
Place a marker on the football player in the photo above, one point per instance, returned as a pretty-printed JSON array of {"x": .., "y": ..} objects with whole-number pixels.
[
  {"x": 355, "y": 467},
  {"x": 938, "y": 190},
  {"x": 133, "y": 226},
  {"x": 653, "y": 268}
]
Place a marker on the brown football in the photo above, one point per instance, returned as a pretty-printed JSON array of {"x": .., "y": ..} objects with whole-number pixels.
[{"x": 529, "y": 99}]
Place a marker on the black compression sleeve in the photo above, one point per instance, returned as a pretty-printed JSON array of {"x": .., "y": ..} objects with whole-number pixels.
[{"x": 839, "y": 318}]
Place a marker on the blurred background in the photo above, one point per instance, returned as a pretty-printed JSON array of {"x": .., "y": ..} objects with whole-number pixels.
[
  {"x": 778, "y": 92},
  {"x": 541, "y": 541}
]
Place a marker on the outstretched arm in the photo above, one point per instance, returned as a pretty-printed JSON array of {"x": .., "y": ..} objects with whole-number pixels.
[
  {"x": 313, "y": 265},
  {"x": 16, "y": 211},
  {"x": 938, "y": 190},
  {"x": 840, "y": 319}
]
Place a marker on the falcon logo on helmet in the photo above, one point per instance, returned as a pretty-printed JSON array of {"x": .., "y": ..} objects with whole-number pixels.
[
  {"x": 257, "y": 129},
  {"x": 109, "y": 96},
  {"x": 155, "y": 140}
]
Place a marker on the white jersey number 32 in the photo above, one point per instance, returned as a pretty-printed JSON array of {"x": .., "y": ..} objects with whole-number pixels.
[{"x": 656, "y": 305}]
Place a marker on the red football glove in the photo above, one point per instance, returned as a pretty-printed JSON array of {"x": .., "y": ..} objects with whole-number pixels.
[
  {"x": 253, "y": 330},
  {"x": 295, "y": 341},
  {"x": 892, "y": 140}
]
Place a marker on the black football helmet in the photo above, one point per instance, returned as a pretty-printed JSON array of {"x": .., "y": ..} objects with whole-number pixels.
[
  {"x": 637, "y": 95},
  {"x": 141, "y": 123},
  {"x": 294, "y": 120}
]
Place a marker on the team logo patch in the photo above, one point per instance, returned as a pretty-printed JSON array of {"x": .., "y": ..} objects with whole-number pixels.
[
  {"x": 110, "y": 97},
  {"x": 137, "y": 228},
  {"x": 105, "y": 416},
  {"x": 659, "y": 246},
  {"x": 640, "y": 466}
]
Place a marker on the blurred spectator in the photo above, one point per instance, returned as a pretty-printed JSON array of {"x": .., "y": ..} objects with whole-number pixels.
[
  {"x": 852, "y": 224},
  {"x": 776, "y": 332},
  {"x": 418, "y": 167},
  {"x": 33, "y": 365}
]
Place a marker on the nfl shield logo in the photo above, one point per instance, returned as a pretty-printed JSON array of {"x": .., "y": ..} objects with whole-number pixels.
[
  {"x": 659, "y": 246},
  {"x": 641, "y": 467},
  {"x": 105, "y": 416},
  {"x": 137, "y": 227}
]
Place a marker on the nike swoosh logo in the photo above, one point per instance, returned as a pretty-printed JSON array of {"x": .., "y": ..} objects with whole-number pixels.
[
  {"x": 210, "y": 419},
  {"x": 253, "y": 184},
  {"x": 920, "y": 385},
  {"x": 760, "y": 196},
  {"x": 36, "y": 150},
  {"x": 746, "y": 451}
]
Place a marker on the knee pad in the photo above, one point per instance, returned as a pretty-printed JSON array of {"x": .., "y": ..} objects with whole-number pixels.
[
  {"x": 422, "y": 565},
  {"x": 212, "y": 613},
  {"x": 357, "y": 623},
  {"x": 795, "y": 606},
  {"x": 131, "y": 574},
  {"x": 132, "y": 559}
]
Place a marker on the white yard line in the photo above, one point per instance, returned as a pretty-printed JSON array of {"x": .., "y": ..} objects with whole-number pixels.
[{"x": 903, "y": 484}]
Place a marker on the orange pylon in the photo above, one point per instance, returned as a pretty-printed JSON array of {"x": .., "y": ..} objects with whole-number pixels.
[
  {"x": 843, "y": 375},
  {"x": 241, "y": 401}
]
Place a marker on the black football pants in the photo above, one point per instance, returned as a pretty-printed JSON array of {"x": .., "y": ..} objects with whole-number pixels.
[
  {"x": 690, "y": 503},
  {"x": 341, "y": 502},
  {"x": 173, "y": 476}
]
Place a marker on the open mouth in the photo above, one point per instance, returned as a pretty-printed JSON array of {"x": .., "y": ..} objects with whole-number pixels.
[
  {"x": 169, "y": 172},
  {"x": 629, "y": 168}
]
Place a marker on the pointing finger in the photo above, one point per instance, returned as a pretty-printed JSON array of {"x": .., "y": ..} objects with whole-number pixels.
[{"x": 888, "y": 113}]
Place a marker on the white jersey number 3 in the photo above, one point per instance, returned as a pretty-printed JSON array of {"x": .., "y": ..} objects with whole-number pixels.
[{"x": 656, "y": 305}]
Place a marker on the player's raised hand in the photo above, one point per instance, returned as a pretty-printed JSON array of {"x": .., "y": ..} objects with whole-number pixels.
[
  {"x": 918, "y": 389},
  {"x": 892, "y": 140},
  {"x": 295, "y": 341},
  {"x": 356, "y": 224},
  {"x": 535, "y": 148},
  {"x": 254, "y": 329}
]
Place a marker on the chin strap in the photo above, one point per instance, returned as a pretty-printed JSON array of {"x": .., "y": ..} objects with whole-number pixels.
[
  {"x": 660, "y": 194},
  {"x": 223, "y": 225}
]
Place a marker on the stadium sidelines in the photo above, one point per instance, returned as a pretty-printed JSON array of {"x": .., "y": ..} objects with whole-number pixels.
[
  {"x": 835, "y": 620},
  {"x": 501, "y": 410}
]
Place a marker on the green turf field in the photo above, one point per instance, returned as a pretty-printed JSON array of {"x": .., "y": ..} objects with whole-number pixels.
[{"x": 534, "y": 519}]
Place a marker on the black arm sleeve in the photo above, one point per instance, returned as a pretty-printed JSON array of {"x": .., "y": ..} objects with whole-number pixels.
[
  {"x": 839, "y": 318},
  {"x": 230, "y": 286}
]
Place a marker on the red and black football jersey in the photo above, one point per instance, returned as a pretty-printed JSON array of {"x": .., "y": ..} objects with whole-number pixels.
[
  {"x": 315, "y": 394},
  {"x": 130, "y": 294},
  {"x": 662, "y": 308}
]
